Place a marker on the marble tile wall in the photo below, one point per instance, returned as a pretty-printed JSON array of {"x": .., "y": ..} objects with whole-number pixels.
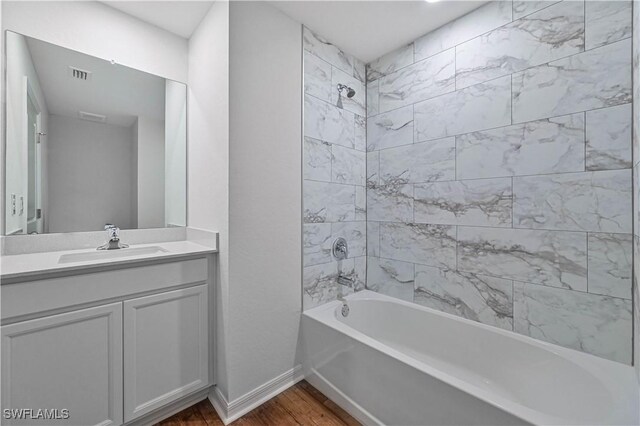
[
  {"x": 636, "y": 187},
  {"x": 498, "y": 171},
  {"x": 334, "y": 170}
]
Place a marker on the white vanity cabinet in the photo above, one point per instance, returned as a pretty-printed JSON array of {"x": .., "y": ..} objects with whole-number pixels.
[
  {"x": 165, "y": 348},
  {"x": 70, "y": 361},
  {"x": 116, "y": 346}
]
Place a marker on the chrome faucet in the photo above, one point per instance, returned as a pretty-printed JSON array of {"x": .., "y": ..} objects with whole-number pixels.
[
  {"x": 346, "y": 281},
  {"x": 113, "y": 238},
  {"x": 340, "y": 250}
]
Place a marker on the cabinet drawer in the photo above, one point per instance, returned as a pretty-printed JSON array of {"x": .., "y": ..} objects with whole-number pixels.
[{"x": 30, "y": 298}]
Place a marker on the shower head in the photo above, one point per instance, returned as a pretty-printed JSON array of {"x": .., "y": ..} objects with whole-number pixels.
[{"x": 350, "y": 92}]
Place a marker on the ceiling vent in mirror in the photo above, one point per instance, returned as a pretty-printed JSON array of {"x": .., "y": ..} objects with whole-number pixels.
[
  {"x": 79, "y": 74},
  {"x": 89, "y": 116}
]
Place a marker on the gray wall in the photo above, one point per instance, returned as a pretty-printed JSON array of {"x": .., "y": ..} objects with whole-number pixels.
[
  {"x": 265, "y": 76},
  {"x": 208, "y": 157},
  {"x": 334, "y": 169},
  {"x": 150, "y": 177},
  {"x": 90, "y": 175},
  {"x": 499, "y": 172}
]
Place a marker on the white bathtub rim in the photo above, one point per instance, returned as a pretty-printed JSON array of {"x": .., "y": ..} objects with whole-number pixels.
[
  {"x": 326, "y": 314},
  {"x": 493, "y": 400}
]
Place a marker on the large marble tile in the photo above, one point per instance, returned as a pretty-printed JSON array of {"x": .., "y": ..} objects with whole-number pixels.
[
  {"x": 348, "y": 166},
  {"x": 423, "y": 80},
  {"x": 317, "y": 160},
  {"x": 636, "y": 88},
  {"x": 390, "y": 129},
  {"x": 328, "y": 123},
  {"x": 390, "y": 62},
  {"x": 552, "y": 258},
  {"x": 590, "y": 201},
  {"x": 360, "y": 70},
  {"x": 316, "y": 243},
  {"x": 390, "y": 203},
  {"x": 356, "y": 235},
  {"x": 607, "y": 22},
  {"x": 635, "y": 175},
  {"x": 317, "y": 77},
  {"x": 373, "y": 238},
  {"x": 546, "y": 146},
  {"x": 473, "y": 24},
  {"x": 327, "y": 51},
  {"x": 361, "y": 203},
  {"x": 360, "y": 132},
  {"x": 373, "y": 98},
  {"x": 390, "y": 277},
  {"x": 636, "y": 304},
  {"x": 593, "y": 79},
  {"x": 523, "y": 8},
  {"x": 422, "y": 162},
  {"x": 356, "y": 104},
  {"x": 373, "y": 168},
  {"x": 552, "y": 33},
  {"x": 328, "y": 202},
  {"x": 487, "y": 300},
  {"x": 595, "y": 324},
  {"x": 320, "y": 282},
  {"x": 609, "y": 138},
  {"x": 431, "y": 245},
  {"x": 482, "y": 106},
  {"x": 482, "y": 202},
  {"x": 610, "y": 264},
  {"x": 359, "y": 273}
]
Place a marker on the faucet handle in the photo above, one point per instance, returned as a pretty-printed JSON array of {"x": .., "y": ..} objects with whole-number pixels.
[
  {"x": 340, "y": 249},
  {"x": 112, "y": 231}
]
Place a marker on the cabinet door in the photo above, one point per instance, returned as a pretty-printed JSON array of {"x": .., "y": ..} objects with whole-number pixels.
[
  {"x": 166, "y": 348},
  {"x": 70, "y": 361}
]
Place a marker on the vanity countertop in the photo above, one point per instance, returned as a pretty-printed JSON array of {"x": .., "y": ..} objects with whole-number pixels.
[{"x": 34, "y": 265}]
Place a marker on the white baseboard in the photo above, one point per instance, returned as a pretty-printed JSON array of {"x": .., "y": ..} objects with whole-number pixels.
[
  {"x": 169, "y": 410},
  {"x": 230, "y": 411}
]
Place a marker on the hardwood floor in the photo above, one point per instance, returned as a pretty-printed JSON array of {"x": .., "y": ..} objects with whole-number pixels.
[{"x": 301, "y": 404}]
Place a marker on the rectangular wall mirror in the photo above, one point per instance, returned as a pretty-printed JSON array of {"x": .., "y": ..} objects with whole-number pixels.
[{"x": 90, "y": 142}]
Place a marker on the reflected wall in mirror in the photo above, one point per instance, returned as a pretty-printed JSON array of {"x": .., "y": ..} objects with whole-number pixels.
[{"x": 90, "y": 142}]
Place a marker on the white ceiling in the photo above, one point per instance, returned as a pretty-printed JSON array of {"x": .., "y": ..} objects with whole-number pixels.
[
  {"x": 120, "y": 93},
  {"x": 178, "y": 17},
  {"x": 369, "y": 29},
  {"x": 366, "y": 29}
]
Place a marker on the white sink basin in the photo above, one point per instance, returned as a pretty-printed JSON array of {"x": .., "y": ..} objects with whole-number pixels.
[{"x": 109, "y": 254}]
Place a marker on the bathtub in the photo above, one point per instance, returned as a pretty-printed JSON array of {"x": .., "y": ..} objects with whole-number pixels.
[{"x": 396, "y": 363}]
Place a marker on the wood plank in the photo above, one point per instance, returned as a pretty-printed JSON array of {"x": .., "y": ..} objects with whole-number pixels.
[
  {"x": 307, "y": 410},
  {"x": 208, "y": 413},
  {"x": 340, "y": 413},
  {"x": 189, "y": 416},
  {"x": 300, "y": 405},
  {"x": 332, "y": 406},
  {"x": 312, "y": 391},
  {"x": 272, "y": 413}
]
